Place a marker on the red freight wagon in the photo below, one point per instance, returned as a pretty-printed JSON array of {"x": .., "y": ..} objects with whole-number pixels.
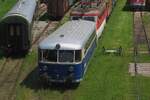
[{"x": 57, "y": 8}]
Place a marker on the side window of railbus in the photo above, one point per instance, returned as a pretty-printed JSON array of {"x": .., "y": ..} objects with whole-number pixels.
[
  {"x": 40, "y": 57},
  {"x": 66, "y": 55},
  {"x": 78, "y": 55},
  {"x": 88, "y": 43}
]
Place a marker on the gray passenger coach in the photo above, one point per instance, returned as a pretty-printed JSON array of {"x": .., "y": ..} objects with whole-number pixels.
[{"x": 16, "y": 25}]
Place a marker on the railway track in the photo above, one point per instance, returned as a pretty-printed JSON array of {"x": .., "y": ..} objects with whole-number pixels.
[
  {"x": 9, "y": 76},
  {"x": 3, "y": 65},
  {"x": 146, "y": 34},
  {"x": 140, "y": 33},
  {"x": 42, "y": 9},
  {"x": 140, "y": 38},
  {"x": 43, "y": 32},
  {"x": 137, "y": 26}
]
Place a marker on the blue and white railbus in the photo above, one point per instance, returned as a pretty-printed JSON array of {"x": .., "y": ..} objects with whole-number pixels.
[{"x": 64, "y": 55}]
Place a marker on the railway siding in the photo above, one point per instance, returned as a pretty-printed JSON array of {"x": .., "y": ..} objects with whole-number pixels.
[
  {"x": 141, "y": 38},
  {"x": 42, "y": 30},
  {"x": 140, "y": 68},
  {"x": 9, "y": 77}
]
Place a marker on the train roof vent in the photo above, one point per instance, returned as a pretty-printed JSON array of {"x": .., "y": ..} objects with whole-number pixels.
[
  {"x": 61, "y": 35},
  {"x": 21, "y": 3}
]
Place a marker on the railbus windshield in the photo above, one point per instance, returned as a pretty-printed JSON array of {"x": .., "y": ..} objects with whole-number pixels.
[{"x": 60, "y": 56}]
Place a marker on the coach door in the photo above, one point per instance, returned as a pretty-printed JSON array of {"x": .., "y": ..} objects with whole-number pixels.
[{"x": 14, "y": 36}]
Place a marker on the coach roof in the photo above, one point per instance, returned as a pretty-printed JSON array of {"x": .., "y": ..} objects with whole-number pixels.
[{"x": 24, "y": 9}]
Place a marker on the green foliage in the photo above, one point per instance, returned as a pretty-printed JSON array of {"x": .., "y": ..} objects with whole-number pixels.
[{"x": 5, "y": 6}]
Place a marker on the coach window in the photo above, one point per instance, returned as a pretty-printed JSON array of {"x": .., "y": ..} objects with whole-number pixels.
[
  {"x": 78, "y": 56},
  {"x": 11, "y": 30},
  {"x": 66, "y": 55},
  {"x": 17, "y": 30}
]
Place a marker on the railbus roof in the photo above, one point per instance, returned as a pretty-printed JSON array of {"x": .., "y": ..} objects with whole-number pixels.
[{"x": 73, "y": 35}]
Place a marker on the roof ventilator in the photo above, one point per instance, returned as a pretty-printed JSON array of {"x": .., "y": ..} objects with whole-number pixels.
[
  {"x": 61, "y": 35},
  {"x": 21, "y": 2}
]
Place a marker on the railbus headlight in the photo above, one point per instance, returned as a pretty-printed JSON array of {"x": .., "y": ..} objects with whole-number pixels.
[
  {"x": 71, "y": 68},
  {"x": 45, "y": 68}
]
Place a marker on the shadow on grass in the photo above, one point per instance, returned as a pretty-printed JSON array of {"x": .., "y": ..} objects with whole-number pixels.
[{"x": 32, "y": 81}]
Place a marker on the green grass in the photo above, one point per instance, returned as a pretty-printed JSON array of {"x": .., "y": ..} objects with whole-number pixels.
[
  {"x": 5, "y": 6},
  {"x": 143, "y": 58},
  {"x": 144, "y": 87}
]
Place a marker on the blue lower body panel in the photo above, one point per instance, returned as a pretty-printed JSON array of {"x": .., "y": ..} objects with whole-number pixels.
[{"x": 61, "y": 73}]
